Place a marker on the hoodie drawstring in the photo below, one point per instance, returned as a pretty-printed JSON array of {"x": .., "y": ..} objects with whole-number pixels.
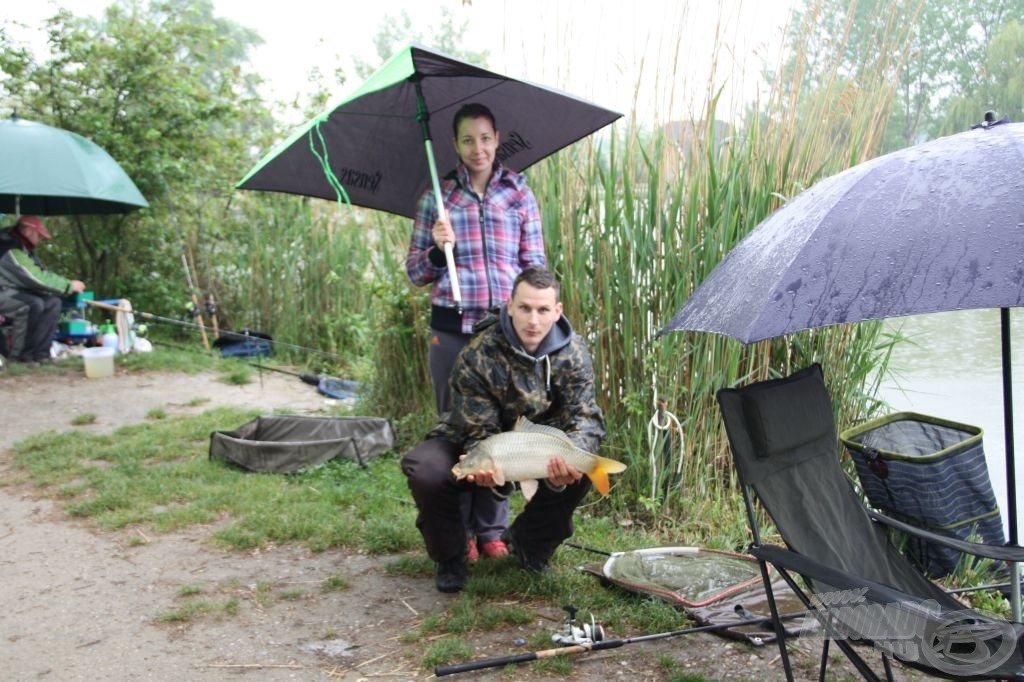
[{"x": 547, "y": 382}]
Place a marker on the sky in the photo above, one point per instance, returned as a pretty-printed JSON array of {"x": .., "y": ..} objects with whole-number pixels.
[{"x": 644, "y": 58}]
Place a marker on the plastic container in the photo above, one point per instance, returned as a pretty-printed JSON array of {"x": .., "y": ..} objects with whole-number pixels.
[
  {"x": 99, "y": 362},
  {"x": 109, "y": 340}
]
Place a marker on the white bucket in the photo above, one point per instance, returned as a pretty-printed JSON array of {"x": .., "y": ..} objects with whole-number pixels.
[{"x": 99, "y": 362}]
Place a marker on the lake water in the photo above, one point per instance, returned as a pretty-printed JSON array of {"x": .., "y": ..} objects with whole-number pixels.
[{"x": 950, "y": 367}]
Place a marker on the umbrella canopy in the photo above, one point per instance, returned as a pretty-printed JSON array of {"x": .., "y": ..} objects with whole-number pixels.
[
  {"x": 51, "y": 171},
  {"x": 934, "y": 227},
  {"x": 930, "y": 228},
  {"x": 372, "y": 140}
]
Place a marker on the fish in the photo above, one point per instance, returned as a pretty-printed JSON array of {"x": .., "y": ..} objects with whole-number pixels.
[{"x": 522, "y": 455}]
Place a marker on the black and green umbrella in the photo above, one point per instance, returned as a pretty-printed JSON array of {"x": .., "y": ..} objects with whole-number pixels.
[
  {"x": 52, "y": 171},
  {"x": 373, "y": 148}
]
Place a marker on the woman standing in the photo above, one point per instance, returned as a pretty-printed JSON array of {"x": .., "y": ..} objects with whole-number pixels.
[{"x": 494, "y": 223}]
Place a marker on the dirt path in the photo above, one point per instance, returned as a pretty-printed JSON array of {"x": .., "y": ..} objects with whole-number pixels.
[{"x": 81, "y": 604}]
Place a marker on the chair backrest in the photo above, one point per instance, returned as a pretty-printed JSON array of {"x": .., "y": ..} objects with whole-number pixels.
[{"x": 783, "y": 439}]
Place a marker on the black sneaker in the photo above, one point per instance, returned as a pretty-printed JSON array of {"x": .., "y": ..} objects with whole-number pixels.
[
  {"x": 451, "y": 575},
  {"x": 528, "y": 560}
]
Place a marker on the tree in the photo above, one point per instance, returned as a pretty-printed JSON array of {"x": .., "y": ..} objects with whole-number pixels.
[
  {"x": 161, "y": 87},
  {"x": 940, "y": 85},
  {"x": 999, "y": 86},
  {"x": 395, "y": 32}
]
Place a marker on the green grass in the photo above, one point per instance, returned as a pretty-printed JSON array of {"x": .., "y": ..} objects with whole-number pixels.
[
  {"x": 335, "y": 583},
  {"x": 170, "y": 358},
  {"x": 83, "y": 419},
  {"x": 158, "y": 475},
  {"x": 237, "y": 376},
  {"x": 189, "y": 590},
  {"x": 186, "y": 612},
  {"x": 156, "y": 413}
]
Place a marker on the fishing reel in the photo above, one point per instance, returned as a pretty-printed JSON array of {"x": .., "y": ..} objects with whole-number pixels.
[{"x": 577, "y": 632}]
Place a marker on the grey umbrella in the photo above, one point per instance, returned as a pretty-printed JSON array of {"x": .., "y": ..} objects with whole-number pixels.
[{"x": 934, "y": 227}]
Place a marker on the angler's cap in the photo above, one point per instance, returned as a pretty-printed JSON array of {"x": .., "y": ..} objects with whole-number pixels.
[{"x": 33, "y": 222}]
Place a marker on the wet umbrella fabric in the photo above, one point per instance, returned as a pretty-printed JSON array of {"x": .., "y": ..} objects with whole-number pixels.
[
  {"x": 373, "y": 141},
  {"x": 930, "y": 228},
  {"x": 52, "y": 171}
]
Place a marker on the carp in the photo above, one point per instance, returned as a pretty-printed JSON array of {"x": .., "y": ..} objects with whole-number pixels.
[{"x": 522, "y": 455}]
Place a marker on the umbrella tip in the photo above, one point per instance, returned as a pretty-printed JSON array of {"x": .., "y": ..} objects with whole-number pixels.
[{"x": 990, "y": 120}]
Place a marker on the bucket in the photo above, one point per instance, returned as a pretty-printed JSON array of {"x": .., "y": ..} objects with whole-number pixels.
[{"x": 99, "y": 362}]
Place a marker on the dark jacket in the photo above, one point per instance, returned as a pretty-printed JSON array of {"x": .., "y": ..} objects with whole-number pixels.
[{"x": 494, "y": 382}]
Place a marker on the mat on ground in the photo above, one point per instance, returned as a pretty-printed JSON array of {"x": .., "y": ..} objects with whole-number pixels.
[{"x": 285, "y": 444}]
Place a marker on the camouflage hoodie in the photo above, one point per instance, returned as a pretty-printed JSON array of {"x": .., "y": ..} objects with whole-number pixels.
[{"x": 495, "y": 381}]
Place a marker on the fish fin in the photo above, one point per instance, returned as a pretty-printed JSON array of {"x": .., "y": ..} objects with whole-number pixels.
[
  {"x": 499, "y": 477},
  {"x": 612, "y": 466},
  {"x": 599, "y": 477},
  {"x": 524, "y": 424},
  {"x": 529, "y": 488},
  {"x": 599, "y": 474}
]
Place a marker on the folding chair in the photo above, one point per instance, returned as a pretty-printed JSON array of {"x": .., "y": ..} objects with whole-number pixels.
[{"x": 784, "y": 444}]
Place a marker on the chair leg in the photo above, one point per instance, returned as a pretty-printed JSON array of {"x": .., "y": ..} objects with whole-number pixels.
[
  {"x": 858, "y": 662},
  {"x": 780, "y": 629},
  {"x": 888, "y": 667},
  {"x": 824, "y": 659}
]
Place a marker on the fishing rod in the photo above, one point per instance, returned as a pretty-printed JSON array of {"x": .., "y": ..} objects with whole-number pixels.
[
  {"x": 443, "y": 670},
  {"x": 223, "y": 332},
  {"x": 588, "y": 549},
  {"x": 306, "y": 377},
  {"x": 194, "y": 308}
]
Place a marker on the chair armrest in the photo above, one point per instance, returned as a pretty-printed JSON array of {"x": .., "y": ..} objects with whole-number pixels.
[{"x": 999, "y": 552}]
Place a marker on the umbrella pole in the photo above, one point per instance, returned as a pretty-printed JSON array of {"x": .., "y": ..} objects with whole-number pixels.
[
  {"x": 1011, "y": 479},
  {"x": 423, "y": 116}
]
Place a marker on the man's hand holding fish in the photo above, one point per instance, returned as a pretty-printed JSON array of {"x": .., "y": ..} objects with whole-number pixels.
[{"x": 560, "y": 474}]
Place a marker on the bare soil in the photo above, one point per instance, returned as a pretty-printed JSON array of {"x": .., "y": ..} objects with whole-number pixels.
[{"x": 79, "y": 603}]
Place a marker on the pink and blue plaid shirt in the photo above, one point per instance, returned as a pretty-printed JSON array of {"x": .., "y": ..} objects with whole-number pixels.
[{"x": 495, "y": 239}]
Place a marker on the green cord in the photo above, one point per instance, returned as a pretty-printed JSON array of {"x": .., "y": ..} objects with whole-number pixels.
[{"x": 325, "y": 164}]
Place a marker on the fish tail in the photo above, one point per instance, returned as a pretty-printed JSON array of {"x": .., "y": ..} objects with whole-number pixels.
[
  {"x": 599, "y": 477},
  {"x": 599, "y": 474}
]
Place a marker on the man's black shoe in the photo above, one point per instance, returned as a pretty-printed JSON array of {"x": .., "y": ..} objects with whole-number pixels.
[
  {"x": 451, "y": 575},
  {"x": 527, "y": 559}
]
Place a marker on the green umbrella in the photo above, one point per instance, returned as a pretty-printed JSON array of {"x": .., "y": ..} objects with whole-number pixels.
[
  {"x": 51, "y": 171},
  {"x": 374, "y": 148}
]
